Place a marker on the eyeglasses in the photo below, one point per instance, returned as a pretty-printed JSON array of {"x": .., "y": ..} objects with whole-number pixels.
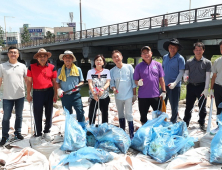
[{"x": 13, "y": 52}]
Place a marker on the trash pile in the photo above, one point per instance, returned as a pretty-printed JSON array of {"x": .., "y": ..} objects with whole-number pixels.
[{"x": 158, "y": 144}]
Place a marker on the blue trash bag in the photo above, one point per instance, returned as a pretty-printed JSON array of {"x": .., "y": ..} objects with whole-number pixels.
[
  {"x": 164, "y": 148},
  {"x": 143, "y": 136},
  {"x": 108, "y": 146},
  {"x": 90, "y": 153},
  {"x": 111, "y": 133},
  {"x": 216, "y": 144},
  {"x": 169, "y": 141},
  {"x": 75, "y": 136},
  {"x": 156, "y": 114}
]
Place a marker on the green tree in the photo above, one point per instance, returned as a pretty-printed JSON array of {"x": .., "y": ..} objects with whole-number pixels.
[
  {"x": 1, "y": 37},
  {"x": 49, "y": 35},
  {"x": 26, "y": 37}
]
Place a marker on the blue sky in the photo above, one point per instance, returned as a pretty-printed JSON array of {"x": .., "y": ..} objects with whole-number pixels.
[{"x": 95, "y": 13}]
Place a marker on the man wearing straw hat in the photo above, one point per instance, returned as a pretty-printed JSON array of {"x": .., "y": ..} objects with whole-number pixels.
[
  {"x": 12, "y": 73},
  {"x": 197, "y": 72},
  {"x": 42, "y": 76},
  {"x": 173, "y": 66},
  {"x": 69, "y": 79}
]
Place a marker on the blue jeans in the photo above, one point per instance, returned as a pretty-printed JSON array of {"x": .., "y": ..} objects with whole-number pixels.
[
  {"x": 74, "y": 100},
  {"x": 7, "y": 108},
  {"x": 174, "y": 96}
]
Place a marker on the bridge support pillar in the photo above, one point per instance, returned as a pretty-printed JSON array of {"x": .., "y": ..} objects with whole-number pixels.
[{"x": 136, "y": 60}]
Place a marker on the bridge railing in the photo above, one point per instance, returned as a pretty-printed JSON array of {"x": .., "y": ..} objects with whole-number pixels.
[{"x": 182, "y": 17}]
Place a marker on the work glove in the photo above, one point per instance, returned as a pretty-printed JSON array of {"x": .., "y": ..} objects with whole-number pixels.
[
  {"x": 134, "y": 98},
  {"x": 140, "y": 82},
  {"x": 60, "y": 92},
  {"x": 205, "y": 93},
  {"x": 185, "y": 78},
  {"x": 211, "y": 93},
  {"x": 163, "y": 95},
  {"x": 172, "y": 85}
]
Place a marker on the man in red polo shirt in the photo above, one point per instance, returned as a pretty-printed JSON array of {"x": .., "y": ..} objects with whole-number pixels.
[{"x": 42, "y": 76}]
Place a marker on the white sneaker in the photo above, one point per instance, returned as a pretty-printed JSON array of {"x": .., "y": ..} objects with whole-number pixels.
[
  {"x": 214, "y": 131},
  {"x": 37, "y": 140},
  {"x": 47, "y": 137}
]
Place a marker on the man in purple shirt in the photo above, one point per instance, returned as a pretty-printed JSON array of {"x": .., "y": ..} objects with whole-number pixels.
[{"x": 148, "y": 75}]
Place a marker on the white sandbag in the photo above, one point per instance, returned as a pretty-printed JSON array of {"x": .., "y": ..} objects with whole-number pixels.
[
  {"x": 192, "y": 160},
  {"x": 205, "y": 141},
  {"x": 27, "y": 159},
  {"x": 46, "y": 148}
]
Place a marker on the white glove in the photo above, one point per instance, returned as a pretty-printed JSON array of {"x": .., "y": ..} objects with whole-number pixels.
[
  {"x": 185, "y": 78},
  {"x": 172, "y": 85},
  {"x": 60, "y": 92},
  {"x": 211, "y": 93},
  {"x": 140, "y": 82},
  {"x": 163, "y": 95},
  {"x": 205, "y": 93},
  {"x": 134, "y": 98}
]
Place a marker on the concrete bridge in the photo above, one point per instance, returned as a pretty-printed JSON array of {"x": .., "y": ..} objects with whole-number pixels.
[{"x": 200, "y": 24}]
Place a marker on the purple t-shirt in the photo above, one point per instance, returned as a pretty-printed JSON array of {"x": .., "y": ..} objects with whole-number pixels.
[{"x": 150, "y": 75}]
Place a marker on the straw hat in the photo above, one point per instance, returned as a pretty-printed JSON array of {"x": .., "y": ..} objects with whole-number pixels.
[
  {"x": 42, "y": 51},
  {"x": 67, "y": 52}
]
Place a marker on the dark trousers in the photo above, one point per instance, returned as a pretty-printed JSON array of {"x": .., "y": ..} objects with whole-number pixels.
[
  {"x": 74, "y": 100},
  {"x": 43, "y": 99},
  {"x": 174, "y": 96},
  {"x": 218, "y": 97},
  {"x": 103, "y": 105},
  {"x": 194, "y": 92},
  {"x": 7, "y": 108},
  {"x": 144, "y": 105}
]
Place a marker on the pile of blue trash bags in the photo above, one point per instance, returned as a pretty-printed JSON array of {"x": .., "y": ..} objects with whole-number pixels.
[
  {"x": 107, "y": 138},
  {"x": 216, "y": 143},
  {"x": 162, "y": 140},
  {"x": 157, "y": 138}
]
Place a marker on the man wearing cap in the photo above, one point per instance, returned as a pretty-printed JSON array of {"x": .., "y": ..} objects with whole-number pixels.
[
  {"x": 69, "y": 79},
  {"x": 197, "y": 71},
  {"x": 148, "y": 75},
  {"x": 42, "y": 76},
  {"x": 13, "y": 74},
  {"x": 173, "y": 66},
  {"x": 124, "y": 89},
  {"x": 216, "y": 85}
]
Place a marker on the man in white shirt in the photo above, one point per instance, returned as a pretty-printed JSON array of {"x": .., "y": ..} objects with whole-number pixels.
[{"x": 13, "y": 73}]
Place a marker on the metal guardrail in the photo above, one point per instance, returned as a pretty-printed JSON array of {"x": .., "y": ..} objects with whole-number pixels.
[{"x": 177, "y": 18}]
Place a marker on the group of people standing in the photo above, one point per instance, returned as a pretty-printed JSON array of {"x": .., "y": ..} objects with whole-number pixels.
[{"x": 42, "y": 79}]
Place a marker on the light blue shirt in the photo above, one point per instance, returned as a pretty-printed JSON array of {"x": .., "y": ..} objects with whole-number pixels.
[
  {"x": 71, "y": 81},
  {"x": 122, "y": 80},
  {"x": 171, "y": 67}
]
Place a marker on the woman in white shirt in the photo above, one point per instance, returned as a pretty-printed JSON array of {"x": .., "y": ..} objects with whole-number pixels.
[{"x": 99, "y": 80}]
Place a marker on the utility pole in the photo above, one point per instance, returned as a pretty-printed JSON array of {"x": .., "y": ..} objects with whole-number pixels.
[{"x": 80, "y": 10}]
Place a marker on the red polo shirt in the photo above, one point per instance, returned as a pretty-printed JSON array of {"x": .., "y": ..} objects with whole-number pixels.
[{"x": 42, "y": 75}]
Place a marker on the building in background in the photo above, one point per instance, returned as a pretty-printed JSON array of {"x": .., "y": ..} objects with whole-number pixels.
[
  {"x": 37, "y": 32},
  {"x": 63, "y": 30},
  {"x": 12, "y": 38}
]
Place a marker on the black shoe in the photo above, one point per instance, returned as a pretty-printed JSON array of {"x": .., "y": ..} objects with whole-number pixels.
[
  {"x": 3, "y": 141},
  {"x": 202, "y": 127},
  {"x": 19, "y": 136}
]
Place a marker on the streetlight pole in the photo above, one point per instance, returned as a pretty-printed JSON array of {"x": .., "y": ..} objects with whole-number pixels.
[
  {"x": 189, "y": 10},
  {"x": 5, "y": 28},
  {"x": 80, "y": 10}
]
